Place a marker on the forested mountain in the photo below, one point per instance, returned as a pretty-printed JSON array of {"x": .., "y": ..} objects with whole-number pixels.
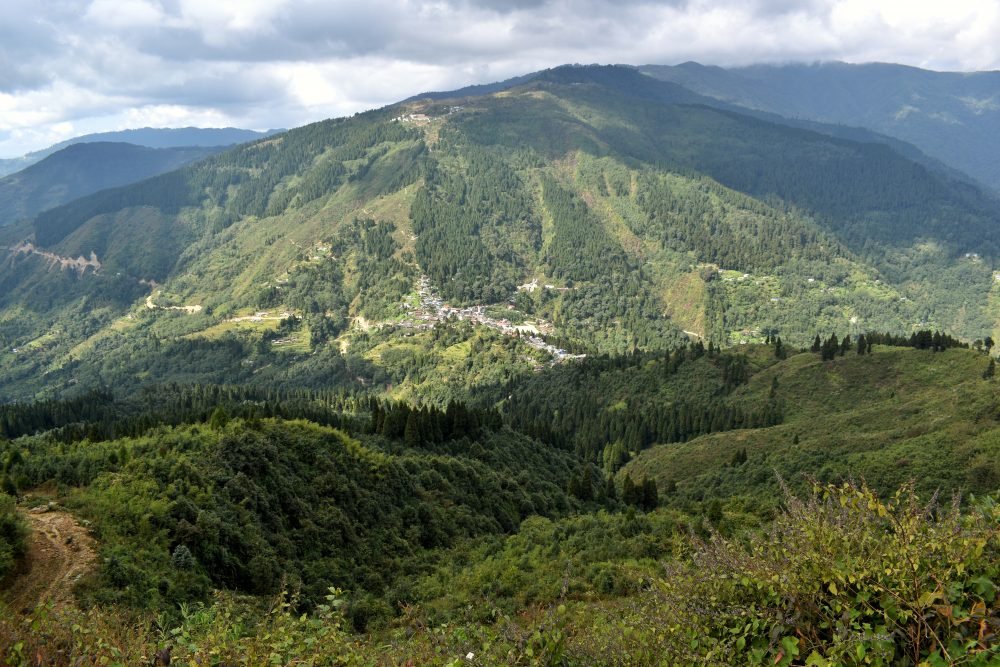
[
  {"x": 82, "y": 169},
  {"x": 573, "y": 369},
  {"x": 953, "y": 116},
  {"x": 150, "y": 137},
  {"x": 625, "y": 213}
]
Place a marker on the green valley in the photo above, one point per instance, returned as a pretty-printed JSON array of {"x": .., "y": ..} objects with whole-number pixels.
[{"x": 578, "y": 369}]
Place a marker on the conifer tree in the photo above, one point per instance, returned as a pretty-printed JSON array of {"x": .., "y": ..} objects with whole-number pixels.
[
  {"x": 629, "y": 496},
  {"x": 609, "y": 488},
  {"x": 650, "y": 496}
]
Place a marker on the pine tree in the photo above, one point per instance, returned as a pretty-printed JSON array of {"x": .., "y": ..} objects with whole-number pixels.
[
  {"x": 817, "y": 345},
  {"x": 629, "y": 495},
  {"x": 585, "y": 486},
  {"x": 862, "y": 344},
  {"x": 650, "y": 497},
  {"x": 411, "y": 432},
  {"x": 219, "y": 418},
  {"x": 7, "y": 486},
  {"x": 714, "y": 512},
  {"x": 609, "y": 488}
]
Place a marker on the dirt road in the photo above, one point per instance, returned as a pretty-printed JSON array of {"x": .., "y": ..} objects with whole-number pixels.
[{"x": 59, "y": 553}]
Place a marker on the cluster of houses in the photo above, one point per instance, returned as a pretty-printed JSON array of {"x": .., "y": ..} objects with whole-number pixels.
[
  {"x": 412, "y": 118},
  {"x": 422, "y": 117},
  {"x": 433, "y": 309},
  {"x": 533, "y": 285}
]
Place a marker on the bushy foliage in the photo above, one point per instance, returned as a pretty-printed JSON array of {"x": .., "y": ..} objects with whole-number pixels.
[
  {"x": 13, "y": 531},
  {"x": 844, "y": 577},
  {"x": 228, "y": 630},
  {"x": 249, "y": 504}
]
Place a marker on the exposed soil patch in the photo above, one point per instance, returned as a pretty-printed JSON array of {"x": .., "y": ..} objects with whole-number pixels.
[
  {"x": 60, "y": 552},
  {"x": 78, "y": 264},
  {"x": 190, "y": 310}
]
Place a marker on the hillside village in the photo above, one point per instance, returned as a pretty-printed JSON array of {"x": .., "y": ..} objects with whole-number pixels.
[{"x": 432, "y": 309}]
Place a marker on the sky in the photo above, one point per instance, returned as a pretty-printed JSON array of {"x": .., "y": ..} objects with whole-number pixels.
[{"x": 72, "y": 67}]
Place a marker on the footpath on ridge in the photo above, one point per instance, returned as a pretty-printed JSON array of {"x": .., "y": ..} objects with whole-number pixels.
[{"x": 60, "y": 552}]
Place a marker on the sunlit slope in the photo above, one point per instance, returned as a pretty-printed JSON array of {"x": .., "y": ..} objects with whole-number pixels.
[
  {"x": 894, "y": 416},
  {"x": 636, "y": 216}
]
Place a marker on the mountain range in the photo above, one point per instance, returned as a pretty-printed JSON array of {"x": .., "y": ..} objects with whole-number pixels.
[
  {"x": 952, "y": 116},
  {"x": 583, "y": 367},
  {"x": 82, "y": 169},
  {"x": 150, "y": 137},
  {"x": 645, "y": 210}
]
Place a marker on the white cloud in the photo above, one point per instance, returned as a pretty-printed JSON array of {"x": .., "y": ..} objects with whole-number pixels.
[
  {"x": 267, "y": 63},
  {"x": 121, "y": 14}
]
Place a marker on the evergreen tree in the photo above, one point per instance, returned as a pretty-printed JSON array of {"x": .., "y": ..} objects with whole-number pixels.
[
  {"x": 629, "y": 491},
  {"x": 609, "y": 488},
  {"x": 7, "y": 486},
  {"x": 650, "y": 497},
  {"x": 862, "y": 344},
  {"x": 830, "y": 348},
  {"x": 817, "y": 345},
  {"x": 585, "y": 486},
  {"x": 219, "y": 418},
  {"x": 713, "y": 512},
  {"x": 411, "y": 432}
]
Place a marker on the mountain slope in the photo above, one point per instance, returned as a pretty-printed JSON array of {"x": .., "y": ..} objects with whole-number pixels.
[
  {"x": 596, "y": 206},
  {"x": 953, "y": 116},
  {"x": 150, "y": 137},
  {"x": 892, "y": 417},
  {"x": 81, "y": 169}
]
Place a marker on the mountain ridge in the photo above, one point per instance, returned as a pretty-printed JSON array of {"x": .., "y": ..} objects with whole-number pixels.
[
  {"x": 81, "y": 169},
  {"x": 952, "y": 116},
  {"x": 645, "y": 213},
  {"x": 149, "y": 137}
]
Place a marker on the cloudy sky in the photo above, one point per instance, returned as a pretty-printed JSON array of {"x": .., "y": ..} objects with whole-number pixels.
[{"x": 70, "y": 67}]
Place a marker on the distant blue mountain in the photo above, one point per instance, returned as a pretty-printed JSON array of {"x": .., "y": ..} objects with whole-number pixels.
[
  {"x": 951, "y": 116},
  {"x": 151, "y": 137},
  {"x": 81, "y": 169}
]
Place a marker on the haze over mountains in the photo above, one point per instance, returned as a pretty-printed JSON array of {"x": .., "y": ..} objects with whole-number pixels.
[
  {"x": 84, "y": 168},
  {"x": 953, "y": 116},
  {"x": 182, "y": 137}
]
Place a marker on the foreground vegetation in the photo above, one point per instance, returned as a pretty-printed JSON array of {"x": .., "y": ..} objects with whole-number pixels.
[
  {"x": 241, "y": 525},
  {"x": 327, "y": 443},
  {"x": 841, "y": 577}
]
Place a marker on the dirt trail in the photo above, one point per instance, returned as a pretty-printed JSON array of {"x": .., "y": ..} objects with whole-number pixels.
[
  {"x": 59, "y": 553},
  {"x": 190, "y": 310}
]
